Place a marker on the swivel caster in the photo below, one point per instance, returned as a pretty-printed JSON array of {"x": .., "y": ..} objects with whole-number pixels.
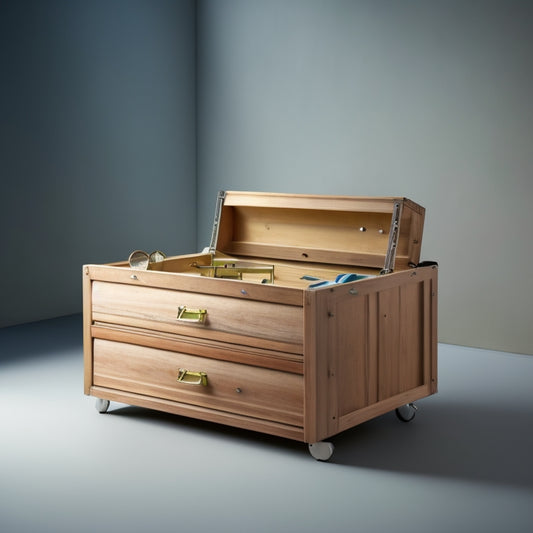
[
  {"x": 102, "y": 405},
  {"x": 406, "y": 412},
  {"x": 321, "y": 451}
]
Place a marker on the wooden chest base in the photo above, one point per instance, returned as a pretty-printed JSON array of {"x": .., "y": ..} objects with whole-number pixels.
[{"x": 280, "y": 358}]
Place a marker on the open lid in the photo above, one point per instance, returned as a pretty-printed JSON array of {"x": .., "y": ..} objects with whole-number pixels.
[{"x": 375, "y": 232}]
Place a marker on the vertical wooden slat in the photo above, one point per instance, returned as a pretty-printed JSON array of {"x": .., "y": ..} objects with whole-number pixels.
[
  {"x": 226, "y": 228},
  {"x": 415, "y": 234},
  {"x": 372, "y": 353},
  {"x": 87, "y": 321},
  {"x": 426, "y": 338},
  {"x": 411, "y": 336},
  {"x": 314, "y": 405},
  {"x": 351, "y": 334},
  {"x": 433, "y": 311},
  {"x": 332, "y": 373},
  {"x": 388, "y": 338},
  {"x": 320, "y": 372},
  {"x": 430, "y": 331},
  {"x": 310, "y": 371}
]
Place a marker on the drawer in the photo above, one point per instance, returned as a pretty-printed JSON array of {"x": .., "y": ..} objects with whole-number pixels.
[
  {"x": 232, "y": 387},
  {"x": 235, "y": 320}
]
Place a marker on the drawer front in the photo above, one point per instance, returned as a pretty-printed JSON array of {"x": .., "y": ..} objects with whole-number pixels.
[
  {"x": 232, "y": 387},
  {"x": 236, "y": 320}
]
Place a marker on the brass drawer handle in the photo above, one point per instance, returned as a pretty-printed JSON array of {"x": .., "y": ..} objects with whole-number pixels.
[
  {"x": 192, "y": 378},
  {"x": 196, "y": 316}
]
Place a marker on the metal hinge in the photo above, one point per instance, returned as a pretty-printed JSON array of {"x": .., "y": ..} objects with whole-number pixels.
[
  {"x": 394, "y": 235},
  {"x": 218, "y": 210}
]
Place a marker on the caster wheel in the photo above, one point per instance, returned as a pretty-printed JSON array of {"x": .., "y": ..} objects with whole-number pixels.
[
  {"x": 102, "y": 405},
  {"x": 321, "y": 451},
  {"x": 406, "y": 412}
]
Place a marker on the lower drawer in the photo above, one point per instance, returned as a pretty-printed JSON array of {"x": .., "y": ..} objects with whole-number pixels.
[{"x": 232, "y": 387}]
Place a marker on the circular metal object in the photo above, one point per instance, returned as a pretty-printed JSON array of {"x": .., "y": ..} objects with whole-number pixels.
[
  {"x": 157, "y": 256},
  {"x": 139, "y": 260}
]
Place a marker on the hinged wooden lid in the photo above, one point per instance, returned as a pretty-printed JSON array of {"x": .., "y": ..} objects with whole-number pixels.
[{"x": 380, "y": 232}]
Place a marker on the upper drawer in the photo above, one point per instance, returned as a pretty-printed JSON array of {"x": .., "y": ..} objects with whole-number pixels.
[{"x": 249, "y": 322}]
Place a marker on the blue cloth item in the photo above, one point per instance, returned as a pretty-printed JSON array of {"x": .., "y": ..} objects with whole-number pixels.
[{"x": 341, "y": 278}]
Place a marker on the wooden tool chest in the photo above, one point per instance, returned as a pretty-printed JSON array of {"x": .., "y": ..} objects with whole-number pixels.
[{"x": 306, "y": 316}]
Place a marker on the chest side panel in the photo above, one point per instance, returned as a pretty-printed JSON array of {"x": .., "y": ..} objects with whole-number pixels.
[{"x": 376, "y": 348}]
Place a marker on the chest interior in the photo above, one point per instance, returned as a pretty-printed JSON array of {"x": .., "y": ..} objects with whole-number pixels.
[{"x": 297, "y": 240}]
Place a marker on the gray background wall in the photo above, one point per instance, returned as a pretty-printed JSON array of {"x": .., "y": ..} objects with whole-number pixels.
[
  {"x": 97, "y": 137},
  {"x": 119, "y": 123},
  {"x": 425, "y": 99}
]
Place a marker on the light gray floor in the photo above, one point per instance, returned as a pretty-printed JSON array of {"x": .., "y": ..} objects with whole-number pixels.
[{"x": 463, "y": 465}]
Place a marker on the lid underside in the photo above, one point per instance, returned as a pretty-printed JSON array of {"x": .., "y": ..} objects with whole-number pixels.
[{"x": 355, "y": 231}]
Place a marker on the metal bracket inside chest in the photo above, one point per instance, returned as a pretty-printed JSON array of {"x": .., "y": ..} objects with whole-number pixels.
[{"x": 235, "y": 270}]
